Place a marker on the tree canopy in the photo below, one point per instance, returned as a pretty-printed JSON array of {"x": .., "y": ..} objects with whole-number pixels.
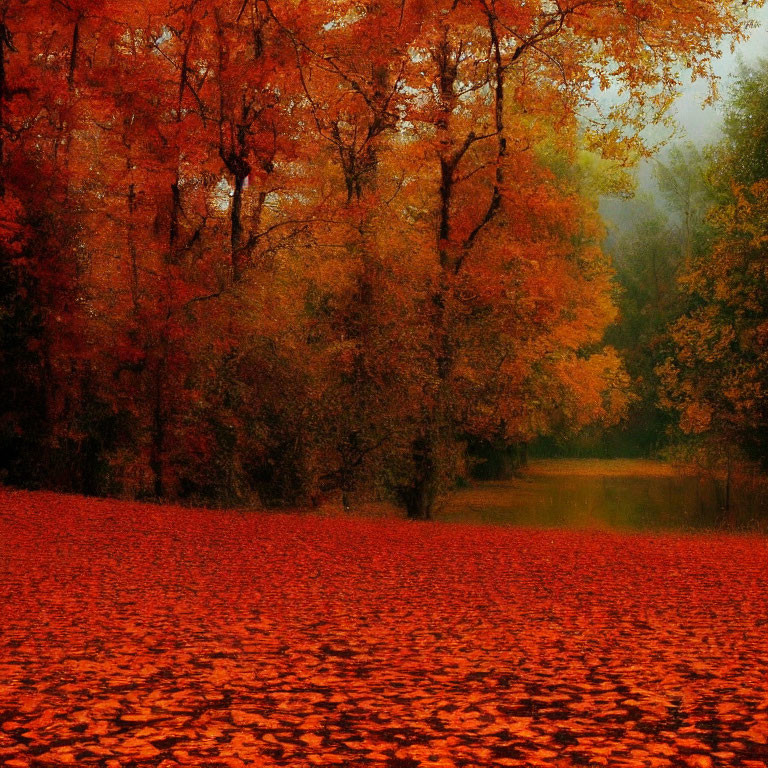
[{"x": 282, "y": 247}]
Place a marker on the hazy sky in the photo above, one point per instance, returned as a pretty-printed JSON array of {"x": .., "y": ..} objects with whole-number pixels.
[
  {"x": 695, "y": 123},
  {"x": 701, "y": 125}
]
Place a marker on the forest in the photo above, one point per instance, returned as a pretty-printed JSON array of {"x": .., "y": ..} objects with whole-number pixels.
[{"x": 268, "y": 251}]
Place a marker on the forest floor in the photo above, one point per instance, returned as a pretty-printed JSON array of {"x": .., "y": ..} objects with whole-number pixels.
[
  {"x": 139, "y": 635},
  {"x": 607, "y": 468}
]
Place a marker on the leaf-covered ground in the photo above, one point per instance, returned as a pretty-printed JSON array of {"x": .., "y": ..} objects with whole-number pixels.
[{"x": 137, "y": 635}]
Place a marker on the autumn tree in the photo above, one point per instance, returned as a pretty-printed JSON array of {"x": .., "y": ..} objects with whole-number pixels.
[
  {"x": 478, "y": 64},
  {"x": 40, "y": 314},
  {"x": 350, "y": 65}
]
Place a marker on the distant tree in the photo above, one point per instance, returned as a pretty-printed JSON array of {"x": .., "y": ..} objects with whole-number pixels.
[
  {"x": 684, "y": 182},
  {"x": 650, "y": 247},
  {"x": 716, "y": 377},
  {"x": 743, "y": 152}
]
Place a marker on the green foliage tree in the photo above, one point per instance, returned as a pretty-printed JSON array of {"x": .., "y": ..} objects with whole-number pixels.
[
  {"x": 650, "y": 248},
  {"x": 716, "y": 377}
]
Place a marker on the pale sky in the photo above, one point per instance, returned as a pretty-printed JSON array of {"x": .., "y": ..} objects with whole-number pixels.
[
  {"x": 701, "y": 125},
  {"x": 695, "y": 123}
]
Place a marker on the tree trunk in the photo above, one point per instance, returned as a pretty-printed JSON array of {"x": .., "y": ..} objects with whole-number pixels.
[
  {"x": 236, "y": 216},
  {"x": 173, "y": 231},
  {"x": 158, "y": 435},
  {"x": 73, "y": 54},
  {"x": 419, "y": 495},
  {"x": 4, "y": 43},
  {"x": 728, "y": 481},
  {"x": 132, "y": 244}
]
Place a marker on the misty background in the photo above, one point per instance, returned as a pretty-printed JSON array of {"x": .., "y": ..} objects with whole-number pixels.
[
  {"x": 696, "y": 121},
  {"x": 651, "y": 235},
  {"x": 701, "y": 124}
]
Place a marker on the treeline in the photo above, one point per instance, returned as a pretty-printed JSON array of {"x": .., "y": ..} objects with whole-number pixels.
[
  {"x": 692, "y": 267},
  {"x": 276, "y": 248}
]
